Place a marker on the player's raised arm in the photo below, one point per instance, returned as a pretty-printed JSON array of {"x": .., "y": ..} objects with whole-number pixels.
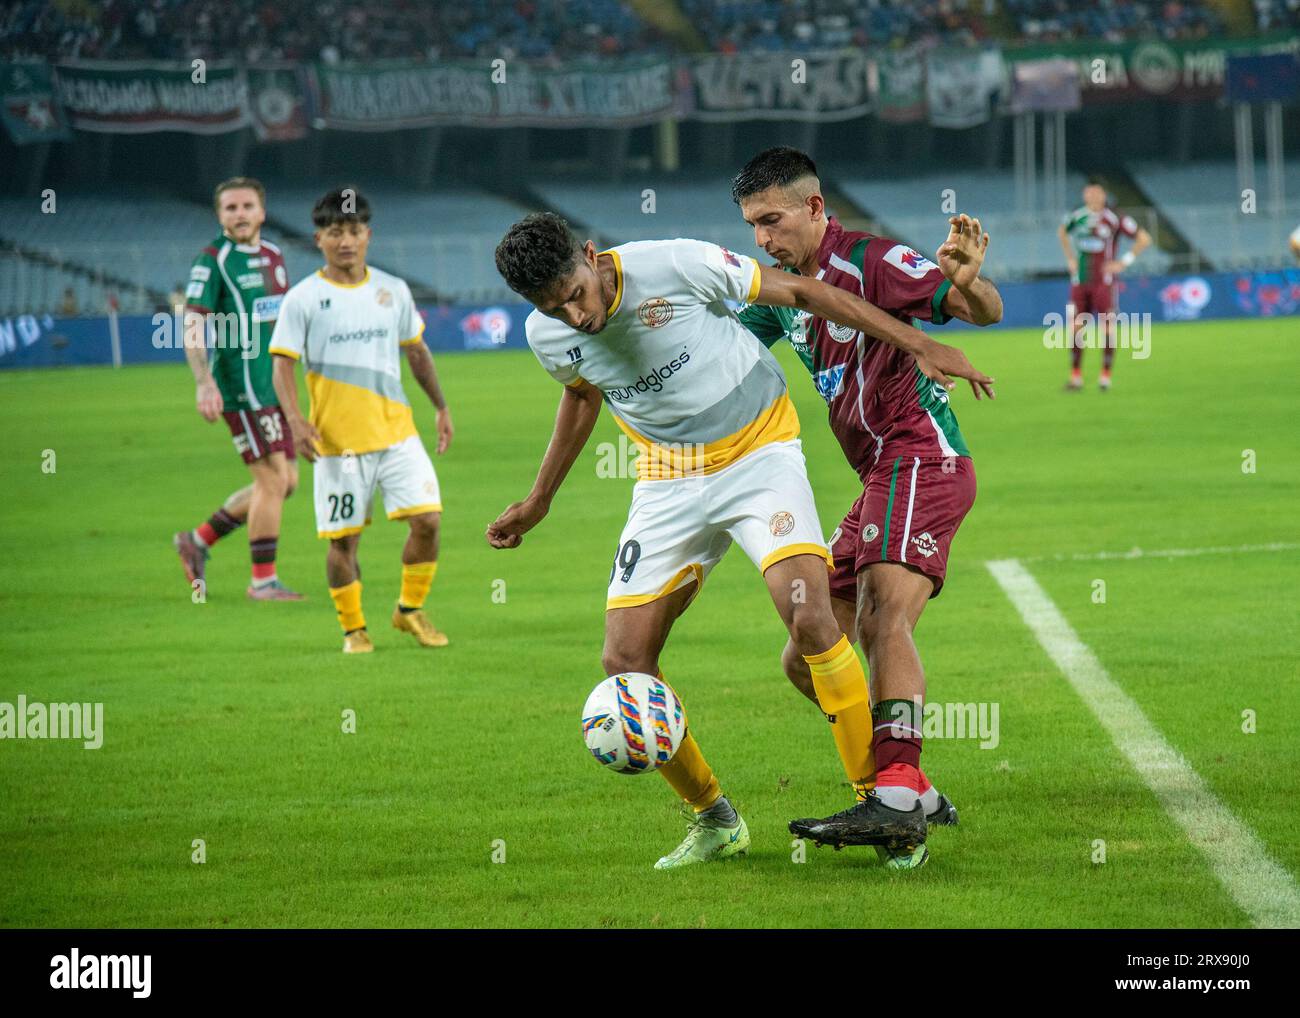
[
  {"x": 936, "y": 360},
  {"x": 972, "y": 298},
  {"x": 579, "y": 408}
]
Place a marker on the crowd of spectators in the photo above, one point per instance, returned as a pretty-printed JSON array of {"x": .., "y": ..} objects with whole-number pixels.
[
  {"x": 1276, "y": 15},
  {"x": 1114, "y": 20},
  {"x": 338, "y": 30},
  {"x": 731, "y": 26},
  {"x": 327, "y": 30}
]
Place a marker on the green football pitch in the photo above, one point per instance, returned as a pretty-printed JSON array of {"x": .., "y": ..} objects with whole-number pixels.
[{"x": 465, "y": 796}]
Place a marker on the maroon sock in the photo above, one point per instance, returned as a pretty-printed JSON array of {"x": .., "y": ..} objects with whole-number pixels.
[
  {"x": 1108, "y": 354},
  {"x": 219, "y": 524},
  {"x": 896, "y": 738},
  {"x": 263, "y": 552},
  {"x": 1076, "y": 353}
]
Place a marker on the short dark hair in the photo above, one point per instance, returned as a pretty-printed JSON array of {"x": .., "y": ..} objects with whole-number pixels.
[
  {"x": 536, "y": 252},
  {"x": 773, "y": 167},
  {"x": 342, "y": 205},
  {"x": 237, "y": 182}
]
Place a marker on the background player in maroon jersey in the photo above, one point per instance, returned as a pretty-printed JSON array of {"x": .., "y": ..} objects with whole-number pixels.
[
  {"x": 900, "y": 435},
  {"x": 1089, "y": 237}
]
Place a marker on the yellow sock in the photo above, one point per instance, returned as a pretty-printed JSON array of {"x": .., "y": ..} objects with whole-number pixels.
[
  {"x": 691, "y": 776},
  {"x": 417, "y": 578},
  {"x": 347, "y": 602},
  {"x": 842, "y": 692}
]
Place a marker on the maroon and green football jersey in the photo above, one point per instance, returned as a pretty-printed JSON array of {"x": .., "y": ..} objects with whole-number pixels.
[
  {"x": 879, "y": 401},
  {"x": 240, "y": 286},
  {"x": 1095, "y": 236}
]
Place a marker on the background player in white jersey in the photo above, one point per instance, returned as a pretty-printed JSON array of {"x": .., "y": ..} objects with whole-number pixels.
[
  {"x": 348, "y": 324},
  {"x": 645, "y": 327}
]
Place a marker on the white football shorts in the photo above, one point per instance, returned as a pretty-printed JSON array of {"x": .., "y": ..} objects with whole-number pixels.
[
  {"x": 344, "y": 487},
  {"x": 678, "y": 529}
]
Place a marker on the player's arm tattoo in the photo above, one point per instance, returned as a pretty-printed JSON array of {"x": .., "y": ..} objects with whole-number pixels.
[{"x": 421, "y": 361}]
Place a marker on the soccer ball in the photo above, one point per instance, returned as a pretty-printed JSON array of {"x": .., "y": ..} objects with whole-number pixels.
[{"x": 633, "y": 723}]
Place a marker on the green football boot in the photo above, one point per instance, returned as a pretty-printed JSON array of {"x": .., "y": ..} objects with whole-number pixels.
[{"x": 705, "y": 842}]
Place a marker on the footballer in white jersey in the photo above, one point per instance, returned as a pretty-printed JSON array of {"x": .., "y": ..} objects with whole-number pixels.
[
  {"x": 646, "y": 328},
  {"x": 349, "y": 324}
]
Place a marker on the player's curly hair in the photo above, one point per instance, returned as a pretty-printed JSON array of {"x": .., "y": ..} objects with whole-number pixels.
[
  {"x": 773, "y": 167},
  {"x": 536, "y": 252},
  {"x": 342, "y": 205}
]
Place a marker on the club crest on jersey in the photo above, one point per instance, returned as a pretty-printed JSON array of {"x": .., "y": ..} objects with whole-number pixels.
[
  {"x": 830, "y": 382},
  {"x": 281, "y": 277},
  {"x": 841, "y": 333},
  {"x": 925, "y": 544},
  {"x": 909, "y": 260},
  {"x": 384, "y": 298},
  {"x": 655, "y": 312},
  {"x": 870, "y": 532},
  {"x": 781, "y": 523}
]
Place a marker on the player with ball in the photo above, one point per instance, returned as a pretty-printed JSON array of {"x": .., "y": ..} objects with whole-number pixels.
[{"x": 645, "y": 328}]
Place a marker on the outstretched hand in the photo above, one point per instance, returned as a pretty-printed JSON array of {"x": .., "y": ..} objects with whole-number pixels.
[
  {"x": 939, "y": 361},
  {"x": 962, "y": 255}
]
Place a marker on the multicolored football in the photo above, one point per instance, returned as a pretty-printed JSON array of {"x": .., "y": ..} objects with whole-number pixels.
[{"x": 633, "y": 723}]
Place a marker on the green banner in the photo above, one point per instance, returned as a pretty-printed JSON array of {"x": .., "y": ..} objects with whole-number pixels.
[
  {"x": 137, "y": 98},
  {"x": 29, "y": 107},
  {"x": 1154, "y": 69}
]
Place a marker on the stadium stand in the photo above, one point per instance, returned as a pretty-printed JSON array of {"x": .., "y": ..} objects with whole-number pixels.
[
  {"x": 330, "y": 30},
  {"x": 440, "y": 241},
  {"x": 701, "y": 209},
  {"x": 1114, "y": 20},
  {"x": 1021, "y": 244},
  {"x": 1275, "y": 15},
  {"x": 1202, "y": 201}
]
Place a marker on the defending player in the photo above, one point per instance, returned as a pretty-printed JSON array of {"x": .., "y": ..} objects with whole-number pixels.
[
  {"x": 233, "y": 296},
  {"x": 1090, "y": 237},
  {"x": 348, "y": 324},
  {"x": 900, "y": 436},
  {"x": 644, "y": 328}
]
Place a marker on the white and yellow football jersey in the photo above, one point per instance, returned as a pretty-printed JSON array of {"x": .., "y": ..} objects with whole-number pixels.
[
  {"x": 687, "y": 382},
  {"x": 348, "y": 339}
]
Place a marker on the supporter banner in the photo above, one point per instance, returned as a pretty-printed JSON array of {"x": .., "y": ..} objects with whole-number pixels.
[
  {"x": 29, "y": 108},
  {"x": 1116, "y": 72},
  {"x": 385, "y": 97},
  {"x": 137, "y": 98},
  {"x": 899, "y": 85},
  {"x": 278, "y": 102},
  {"x": 961, "y": 86},
  {"x": 781, "y": 86},
  {"x": 1045, "y": 86}
]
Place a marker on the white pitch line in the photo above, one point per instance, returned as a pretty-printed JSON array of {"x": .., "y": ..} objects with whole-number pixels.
[
  {"x": 1136, "y": 553},
  {"x": 1264, "y": 890}
]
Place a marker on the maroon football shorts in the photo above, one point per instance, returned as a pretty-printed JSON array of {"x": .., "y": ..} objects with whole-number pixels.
[
  {"x": 259, "y": 433},
  {"x": 908, "y": 512},
  {"x": 1092, "y": 298}
]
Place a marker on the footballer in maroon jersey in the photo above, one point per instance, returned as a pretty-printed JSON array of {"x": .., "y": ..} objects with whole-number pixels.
[
  {"x": 1090, "y": 237},
  {"x": 898, "y": 432}
]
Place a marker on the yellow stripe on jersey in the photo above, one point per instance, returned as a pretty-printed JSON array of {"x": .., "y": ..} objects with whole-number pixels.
[
  {"x": 618, "y": 283},
  {"x": 658, "y": 461},
  {"x": 414, "y": 339},
  {"x": 283, "y": 352},
  {"x": 350, "y": 418},
  {"x": 756, "y": 285}
]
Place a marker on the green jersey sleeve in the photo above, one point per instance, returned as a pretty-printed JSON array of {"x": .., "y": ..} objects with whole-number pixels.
[
  {"x": 763, "y": 322},
  {"x": 203, "y": 289}
]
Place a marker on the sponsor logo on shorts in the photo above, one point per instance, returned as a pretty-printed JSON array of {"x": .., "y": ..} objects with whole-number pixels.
[
  {"x": 781, "y": 523},
  {"x": 870, "y": 532},
  {"x": 655, "y": 312},
  {"x": 841, "y": 333},
  {"x": 925, "y": 544}
]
